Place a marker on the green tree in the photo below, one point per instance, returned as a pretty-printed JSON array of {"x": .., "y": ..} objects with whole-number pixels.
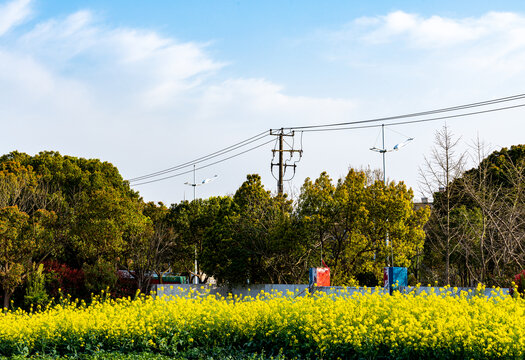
[
  {"x": 254, "y": 238},
  {"x": 95, "y": 214},
  {"x": 102, "y": 224},
  {"x": 22, "y": 239},
  {"x": 100, "y": 276},
  {"x": 27, "y": 231},
  {"x": 262, "y": 217},
  {"x": 157, "y": 249},
  {"x": 190, "y": 221},
  {"x": 96, "y": 210},
  {"x": 317, "y": 210},
  {"x": 20, "y": 186},
  {"x": 223, "y": 256},
  {"x": 352, "y": 219}
]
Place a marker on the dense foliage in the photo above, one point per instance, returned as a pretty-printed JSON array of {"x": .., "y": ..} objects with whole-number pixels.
[
  {"x": 68, "y": 224},
  {"x": 75, "y": 211},
  {"x": 364, "y": 325},
  {"x": 352, "y": 220}
]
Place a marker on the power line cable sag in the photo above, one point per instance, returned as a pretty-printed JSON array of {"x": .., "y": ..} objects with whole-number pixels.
[
  {"x": 417, "y": 114},
  {"x": 215, "y": 154},
  {"x": 205, "y": 166},
  {"x": 332, "y": 127},
  {"x": 416, "y": 121}
]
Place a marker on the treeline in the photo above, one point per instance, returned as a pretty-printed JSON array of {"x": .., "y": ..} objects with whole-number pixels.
[{"x": 67, "y": 224}]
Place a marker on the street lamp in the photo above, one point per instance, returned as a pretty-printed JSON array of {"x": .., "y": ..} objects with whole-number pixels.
[
  {"x": 383, "y": 151},
  {"x": 195, "y": 184}
]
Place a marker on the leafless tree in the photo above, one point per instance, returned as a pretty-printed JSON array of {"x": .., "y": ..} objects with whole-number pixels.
[
  {"x": 444, "y": 166},
  {"x": 500, "y": 231}
]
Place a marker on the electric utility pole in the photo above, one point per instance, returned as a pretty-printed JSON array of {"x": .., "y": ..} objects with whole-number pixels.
[{"x": 282, "y": 166}]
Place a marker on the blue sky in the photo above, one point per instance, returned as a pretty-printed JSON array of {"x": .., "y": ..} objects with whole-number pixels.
[{"x": 149, "y": 85}]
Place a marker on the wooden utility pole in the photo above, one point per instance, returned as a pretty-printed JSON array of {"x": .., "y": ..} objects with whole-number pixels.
[{"x": 282, "y": 166}]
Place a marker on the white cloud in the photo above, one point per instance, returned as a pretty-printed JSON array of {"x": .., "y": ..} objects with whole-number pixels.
[
  {"x": 169, "y": 67},
  {"x": 162, "y": 66},
  {"x": 408, "y": 62},
  {"x": 436, "y": 31},
  {"x": 491, "y": 45},
  {"x": 56, "y": 42},
  {"x": 147, "y": 71},
  {"x": 13, "y": 14},
  {"x": 266, "y": 104}
]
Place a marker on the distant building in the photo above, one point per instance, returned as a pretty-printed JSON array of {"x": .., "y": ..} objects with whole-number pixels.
[{"x": 422, "y": 203}]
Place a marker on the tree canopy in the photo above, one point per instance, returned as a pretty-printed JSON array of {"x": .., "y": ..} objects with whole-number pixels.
[
  {"x": 82, "y": 214},
  {"x": 352, "y": 220}
]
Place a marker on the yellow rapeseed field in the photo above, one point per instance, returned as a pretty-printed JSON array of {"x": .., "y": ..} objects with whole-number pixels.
[{"x": 367, "y": 325}]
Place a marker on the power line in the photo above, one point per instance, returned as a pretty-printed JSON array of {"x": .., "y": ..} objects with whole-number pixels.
[
  {"x": 417, "y": 121},
  {"x": 205, "y": 166},
  {"x": 423, "y": 113},
  {"x": 215, "y": 154},
  {"x": 329, "y": 127}
]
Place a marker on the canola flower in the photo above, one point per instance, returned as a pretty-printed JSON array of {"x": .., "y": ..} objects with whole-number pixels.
[{"x": 363, "y": 325}]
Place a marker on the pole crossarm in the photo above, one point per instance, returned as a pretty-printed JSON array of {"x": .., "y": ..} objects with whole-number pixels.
[{"x": 281, "y": 164}]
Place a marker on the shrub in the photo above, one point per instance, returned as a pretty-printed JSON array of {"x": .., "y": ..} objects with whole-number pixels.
[
  {"x": 67, "y": 279},
  {"x": 36, "y": 294},
  {"x": 519, "y": 280}
]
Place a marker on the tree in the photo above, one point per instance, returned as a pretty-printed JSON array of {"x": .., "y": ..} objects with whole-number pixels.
[
  {"x": 495, "y": 197},
  {"x": 102, "y": 224},
  {"x": 20, "y": 186},
  {"x": 22, "y": 238},
  {"x": 96, "y": 210},
  {"x": 317, "y": 210},
  {"x": 351, "y": 220},
  {"x": 26, "y": 232},
  {"x": 294, "y": 253},
  {"x": 95, "y": 213},
  {"x": 223, "y": 255},
  {"x": 262, "y": 217},
  {"x": 476, "y": 230},
  {"x": 191, "y": 220},
  {"x": 444, "y": 166},
  {"x": 254, "y": 238},
  {"x": 157, "y": 249}
]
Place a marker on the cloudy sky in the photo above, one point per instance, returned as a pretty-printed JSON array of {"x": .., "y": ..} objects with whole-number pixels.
[{"x": 150, "y": 85}]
